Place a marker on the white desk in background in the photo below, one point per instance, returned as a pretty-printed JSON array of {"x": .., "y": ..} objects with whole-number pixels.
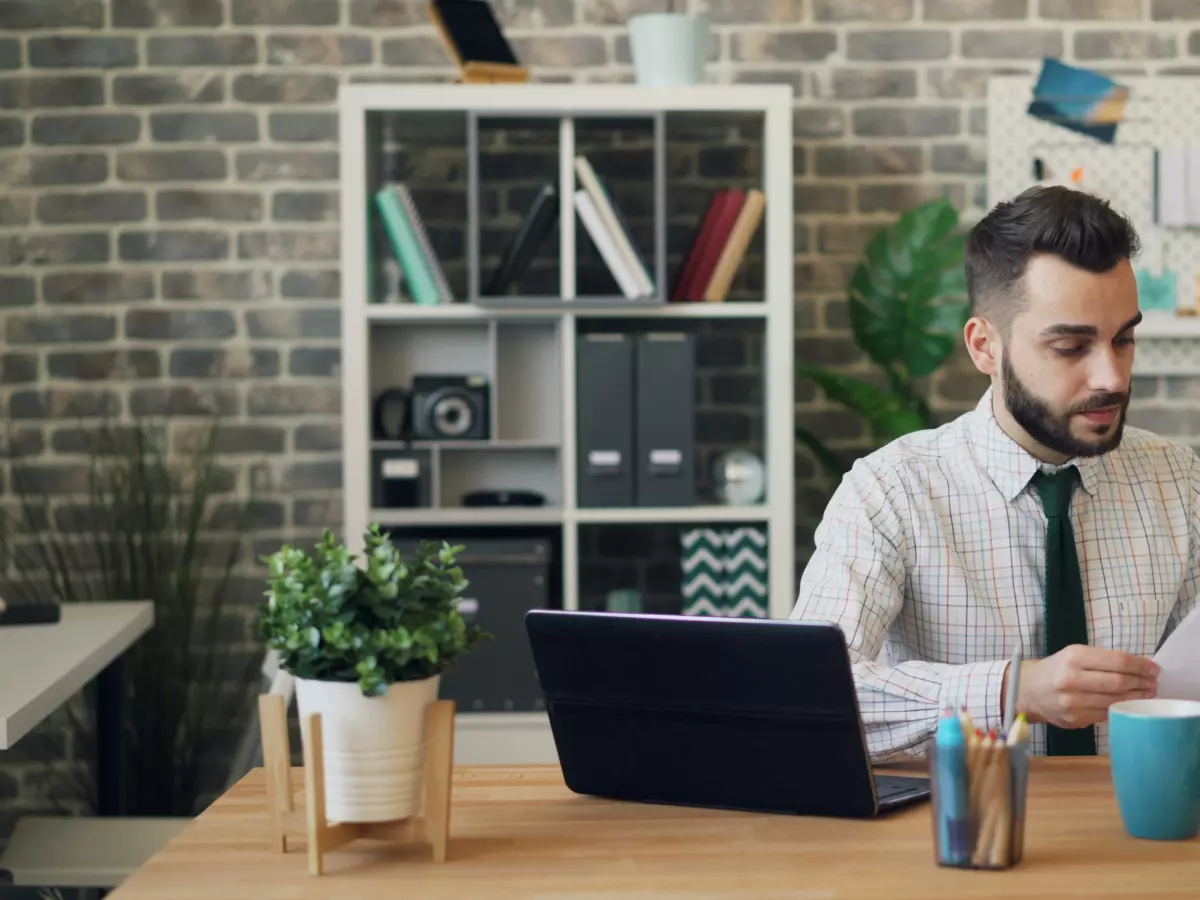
[{"x": 43, "y": 666}]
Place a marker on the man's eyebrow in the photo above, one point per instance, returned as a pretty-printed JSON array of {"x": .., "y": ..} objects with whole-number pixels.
[{"x": 1066, "y": 329}]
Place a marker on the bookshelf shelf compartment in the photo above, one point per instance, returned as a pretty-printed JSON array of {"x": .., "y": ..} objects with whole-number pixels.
[
  {"x": 463, "y": 470},
  {"x": 529, "y": 376}
]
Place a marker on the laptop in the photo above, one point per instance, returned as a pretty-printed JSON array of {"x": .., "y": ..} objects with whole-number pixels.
[{"x": 729, "y": 713}]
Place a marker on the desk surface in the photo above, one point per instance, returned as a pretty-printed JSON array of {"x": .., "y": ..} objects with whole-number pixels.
[
  {"x": 517, "y": 832},
  {"x": 41, "y": 666}
]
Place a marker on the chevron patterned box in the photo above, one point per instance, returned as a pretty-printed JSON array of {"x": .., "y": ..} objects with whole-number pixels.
[{"x": 724, "y": 572}]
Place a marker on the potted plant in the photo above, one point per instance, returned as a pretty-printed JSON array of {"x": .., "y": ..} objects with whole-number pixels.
[
  {"x": 668, "y": 48},
  {"x": 367, "y": 646}
]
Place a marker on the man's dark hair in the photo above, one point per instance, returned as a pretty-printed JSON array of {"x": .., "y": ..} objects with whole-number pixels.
[{"x": 1077, "y": 227}]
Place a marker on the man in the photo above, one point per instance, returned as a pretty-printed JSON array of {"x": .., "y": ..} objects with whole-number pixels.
[{"x": 1037, "y": 521}]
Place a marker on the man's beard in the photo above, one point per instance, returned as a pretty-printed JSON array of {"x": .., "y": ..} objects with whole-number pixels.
[{"x": 1052, "y": 430}]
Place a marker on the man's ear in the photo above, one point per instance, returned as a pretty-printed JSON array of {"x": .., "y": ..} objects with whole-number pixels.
[{"x": 983, "y": 343}]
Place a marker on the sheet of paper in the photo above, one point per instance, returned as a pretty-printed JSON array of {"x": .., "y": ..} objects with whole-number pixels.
[{"x": 1179, "y": 661}]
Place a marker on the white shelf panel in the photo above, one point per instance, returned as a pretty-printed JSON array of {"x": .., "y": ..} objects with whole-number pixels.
[
  {"x": 1167, "y": 345},
  {"x": 501, "y": 444},
  {"x": 470, "y": 515},
  {"x": 653, "y": 515},
  {"x": 1167, "y": 325},
  {"x": 411, "y": 312}
]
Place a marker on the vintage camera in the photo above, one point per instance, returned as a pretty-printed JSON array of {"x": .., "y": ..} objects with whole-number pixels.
[{"x": 449, "y": 408}]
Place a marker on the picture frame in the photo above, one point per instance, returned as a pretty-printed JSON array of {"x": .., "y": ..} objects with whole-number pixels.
[{"x": 475, "y": 40}]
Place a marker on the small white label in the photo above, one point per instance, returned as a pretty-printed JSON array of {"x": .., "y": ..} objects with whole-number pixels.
[
  {"x": 605, "y": 457},
  {"x": 401, "y": 468},
  {"x": 665, "y": 457},
  {"x": 468, "y": 606}
]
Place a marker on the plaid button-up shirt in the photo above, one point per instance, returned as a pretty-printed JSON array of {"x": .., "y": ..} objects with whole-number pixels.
[{"x": 931, "y": 559}]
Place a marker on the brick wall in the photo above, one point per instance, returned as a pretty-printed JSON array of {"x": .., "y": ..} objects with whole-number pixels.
[{"x": 168, "y": 236}]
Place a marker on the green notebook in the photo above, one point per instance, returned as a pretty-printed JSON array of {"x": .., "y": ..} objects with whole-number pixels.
[{"x": 405, "y": 246}]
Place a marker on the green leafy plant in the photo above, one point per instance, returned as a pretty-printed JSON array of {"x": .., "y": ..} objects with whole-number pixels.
[
  {"x": 907, "y": 311},
  {"x": 391, "y": 620},
  {"x": 128, "y": 521}
]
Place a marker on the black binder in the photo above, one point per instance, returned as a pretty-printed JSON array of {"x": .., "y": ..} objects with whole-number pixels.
[
  {"x": 604, "y": 380},
  {"x": 665, "y": 440}
]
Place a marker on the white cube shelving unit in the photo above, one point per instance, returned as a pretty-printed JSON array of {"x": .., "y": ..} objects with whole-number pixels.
[{"x": 526, "y": 346}]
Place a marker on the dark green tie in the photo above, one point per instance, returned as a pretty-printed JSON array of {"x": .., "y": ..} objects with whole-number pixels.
[{"x": 1065, "y": 610}]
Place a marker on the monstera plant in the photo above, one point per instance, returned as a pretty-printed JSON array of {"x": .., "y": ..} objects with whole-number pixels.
[{"x": 907, "y": 311}]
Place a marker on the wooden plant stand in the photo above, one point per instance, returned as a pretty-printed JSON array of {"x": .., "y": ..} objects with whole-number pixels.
[{"x": 431, "y": 824}]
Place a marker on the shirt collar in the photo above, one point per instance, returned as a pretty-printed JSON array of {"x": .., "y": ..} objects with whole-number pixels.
[{"x": 1007, "y": 463}]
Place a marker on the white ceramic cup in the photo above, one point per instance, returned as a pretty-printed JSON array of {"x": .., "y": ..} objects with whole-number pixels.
[{"x": 668, "y": 49}]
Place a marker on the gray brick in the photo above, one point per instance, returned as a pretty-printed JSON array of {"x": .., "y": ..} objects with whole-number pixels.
[
  {"x": 17, "y": 290},
  {"x": 897, "y": 198},
  {"x": 100, "y": 286},
  {"x": 286, "y": 246},
  {"x": 232, "y": 364},
  {"x": 905, "y": 121},
  {"x": 303, "y": 127},
  {"x": 1124, "y": 45},
  {"x": 219, "y": 206},
  {"x": 868, "y": 84},
  {"x": 82, "y": 52},
  {"x": 62, "y": 403},
  {"x": 24, "y": 15},
  {"x": 22, "y": 92},
  {"x": 286, "y": 12},
  {"x": 52, "y": 329},
  {"x": 915, "y": 43},
  {"x": 1090, "y": 9},
  {"x": 171, "y": 165},
  {"x": 10, "y": 54},
  {"x": 166, "y": 13},
  {"x": 820, "y": 198},
  {"x": 959, "y": 159},
  {"x": 294, "y": 323},
  {"x": 954, "y": 83},
  {"x": 796, "y": 80},
  {"x": 216, "y": 285},
  {"x": 12, "y": 132},
  {"x": 1012, "y": 43},
  {"x": 104, "y": 365},
  {"x": 386, "y": 13},
  {"x": 618, "y": 12},
  {"x": 293, "y": 400},
  {"x": 1174, "y": 9},
  {"x": 172, "y": 246},
  {"x": 318, "y": 50},
  {"x": 419, "y": 50},
  {"x": 68, "y": 168},
  {"x": 286, "y": 165},
  {"x": 178, "y": 324},
  {"x": 975, "y": 10},
  {"x": 305, "y": 206},
  {"x": 822, "y": 275},
  {"x": 97, "y": 206},
  {"x": 202, "y": 50},
  {"x": 15, "y": 209},
  {"x": 18, "y": 368},
  {"x": 281, "y": 88},
  {"x": 304, "y": 284},
  {"x": 200, "y": 127},
  {"x": 317, "y": 512},
  {"x": 314, "y": 476},
  {"x": 183, "y": 401},
  {"x": 78, "y": 128},
  {"x": 53, "y": 249},
  {"x": 233, "y": 439},
  {"x": 862, "y": 10},
  {"x": 557, "y": 52},
  {"x": 857, "y": 160},
  {"x": 784, "y": 46},
  {"x": 155, "y": 90},
  {"x": 321, "y": 361},
  {"x": 844, "y": 239},
  {"x": 818, "y": 122},
  {"x": 1171, "y": 421},
  {"x": 318, "y": 438}
]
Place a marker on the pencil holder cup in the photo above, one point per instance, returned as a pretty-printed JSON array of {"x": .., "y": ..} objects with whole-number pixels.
[{"x": 978, "y": 805}]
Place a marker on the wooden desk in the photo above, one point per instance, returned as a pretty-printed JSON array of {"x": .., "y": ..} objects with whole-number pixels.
[{"x": 517, "y": 832}]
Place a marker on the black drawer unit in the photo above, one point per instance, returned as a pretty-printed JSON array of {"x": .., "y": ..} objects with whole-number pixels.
[{"x": 508, "y": 577}]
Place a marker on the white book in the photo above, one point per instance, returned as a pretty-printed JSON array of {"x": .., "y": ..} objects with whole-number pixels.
[
  {"x": 600, "y": 199},
  {"x": 605, "y": 244},
  {"x": 431, "y": 258}
]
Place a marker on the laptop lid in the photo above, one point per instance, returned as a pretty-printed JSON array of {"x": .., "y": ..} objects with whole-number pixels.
[{"x": 750, "y": 714}]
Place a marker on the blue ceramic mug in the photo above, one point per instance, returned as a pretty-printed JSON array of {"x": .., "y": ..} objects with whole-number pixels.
[{"x": 1154, "y": 749}]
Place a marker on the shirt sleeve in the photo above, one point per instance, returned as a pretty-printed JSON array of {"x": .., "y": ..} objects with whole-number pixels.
[
  {"x": 856, "y": 580},
  {"x": 1189, "y": 591}
]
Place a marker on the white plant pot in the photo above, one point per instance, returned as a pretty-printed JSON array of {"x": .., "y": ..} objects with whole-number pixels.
[
  {"x": 668, "y": 49},
  {"x": 374, "y": 747}
]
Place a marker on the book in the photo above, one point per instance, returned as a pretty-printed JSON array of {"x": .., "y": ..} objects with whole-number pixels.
[
  {"x": 735, "y": 247},
  {"x": 607, "y": 246},
  {"x": 612, "y": 223},
  {"x": 406, "y": 247},
  {"x": 531, "y": 234},
  {"x": 432, "y": 263}
]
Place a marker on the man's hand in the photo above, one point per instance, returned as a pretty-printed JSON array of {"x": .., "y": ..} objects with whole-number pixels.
[{"x": 1075, "y": 687}]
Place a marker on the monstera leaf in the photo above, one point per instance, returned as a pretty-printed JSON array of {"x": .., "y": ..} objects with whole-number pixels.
[{"x": 905, "y": 306}]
